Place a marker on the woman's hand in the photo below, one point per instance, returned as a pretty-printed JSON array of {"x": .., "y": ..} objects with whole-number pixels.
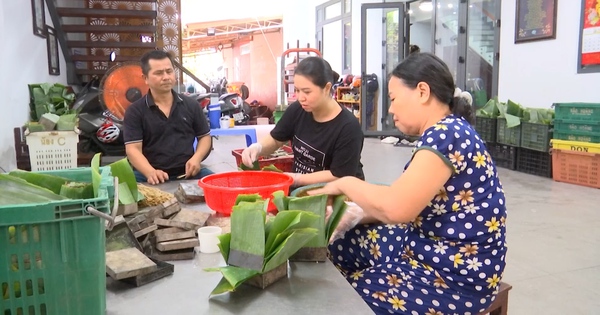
[{"x": 333, "y": 188}]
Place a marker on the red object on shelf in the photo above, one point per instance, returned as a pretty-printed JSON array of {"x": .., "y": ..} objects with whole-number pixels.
[
  {"x": 283, "y": 163},
  {"x": 221, "y": 190}
]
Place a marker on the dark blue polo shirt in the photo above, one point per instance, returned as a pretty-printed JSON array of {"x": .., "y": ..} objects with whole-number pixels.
[{"x": 167, "y": 143}]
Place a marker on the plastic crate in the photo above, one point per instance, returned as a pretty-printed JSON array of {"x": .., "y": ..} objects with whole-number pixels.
[
  {"x": 534, "y": 162},
  {"x": 284, "y": 163},
  {"x": 536, "y": 136},
  {"x": 507, "y": 136},
  {"x": 486, "y": 128},
  {"x": 580, "y": 128},
  {"x": 577, "y": 111},
  {"x": 53, "y": 254},
  {"x": 574, "y": 167},
  {"x": 52, "y": 150},
  {"x": 579, "y": 136},
  {"x": 575, "y": 146},
  {"x": 503, "y": 155}
]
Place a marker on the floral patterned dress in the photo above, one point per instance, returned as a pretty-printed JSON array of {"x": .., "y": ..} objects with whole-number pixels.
[{"x": 450, "y": 259}]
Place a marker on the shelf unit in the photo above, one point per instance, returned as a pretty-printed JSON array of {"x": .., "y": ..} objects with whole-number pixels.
[{"x": 349, "y": 97}]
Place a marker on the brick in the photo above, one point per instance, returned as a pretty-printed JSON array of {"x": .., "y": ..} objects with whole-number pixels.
[
  {"x": 175, "y": 236},
  {"x": 172, "y": 223},
  {"x": 145, "y": 231},
  {"x": 196, "y": 218}
]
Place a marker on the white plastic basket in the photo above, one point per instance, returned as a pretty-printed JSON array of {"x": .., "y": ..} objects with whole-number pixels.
[{"x": 52, "y": 150}]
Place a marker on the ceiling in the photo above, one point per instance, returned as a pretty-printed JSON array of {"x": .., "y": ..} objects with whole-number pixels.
[{"x": 201, "y": 36}]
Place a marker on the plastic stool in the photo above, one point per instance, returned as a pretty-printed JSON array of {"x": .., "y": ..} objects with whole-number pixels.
[{"x": 248, "y": 131}]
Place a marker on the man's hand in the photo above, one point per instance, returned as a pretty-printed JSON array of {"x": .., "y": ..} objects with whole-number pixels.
[
  {"x": 157, "y": 177},
  {"x": 192, "y": 167}
]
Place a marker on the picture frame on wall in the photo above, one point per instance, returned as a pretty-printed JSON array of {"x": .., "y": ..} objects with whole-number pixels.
[
  {"x": 53, "y": 56},
  {"x": 38, "y": 12},
  {"x": 535, "y": 20},
  {"x": 589, "y": 38}
]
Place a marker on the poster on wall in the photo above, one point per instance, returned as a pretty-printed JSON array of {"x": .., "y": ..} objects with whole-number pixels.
[
  {"x": 536, "y": 20},
  {"x": 590, "y": 33}
]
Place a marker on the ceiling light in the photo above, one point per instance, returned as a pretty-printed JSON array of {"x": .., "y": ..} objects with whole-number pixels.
[
  {"x": 210, "y": 31},
  {"x": 450, "y": 5},
  {"x": 426, "y": 6},
  {"x": 410, "y": 11}
]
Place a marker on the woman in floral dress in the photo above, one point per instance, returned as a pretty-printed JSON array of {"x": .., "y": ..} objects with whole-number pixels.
[{"x": 433, "y": 242}]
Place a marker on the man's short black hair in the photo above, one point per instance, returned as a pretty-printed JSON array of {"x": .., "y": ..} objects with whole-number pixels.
[{"x": 156, "y": 55}]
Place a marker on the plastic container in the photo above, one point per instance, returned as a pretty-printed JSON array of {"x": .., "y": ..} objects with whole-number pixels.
[
  {"x": 579, "y": 168},
  {"x": 221, "y": 190},
  {"x": 53, "y": 254},
  {"x": 503, "y": 155},
  {"x": 507, "y": 136},
  {"x": 575, "y": 146},
  {"x": 486, "y": 128},
  {"x": 580, "y": 136},
  {"x": 214, "y": 116},
  {"x": 575, "y": 129},
  {"x": 283, "y": 163},
  {"x": 534, "y": 162},
  {"x": 52, "y": 150},
  {"x": 577, "y": 111},
  {"x": 536, "y": 136}
]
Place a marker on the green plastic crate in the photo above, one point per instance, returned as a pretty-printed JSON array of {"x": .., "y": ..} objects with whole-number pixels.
[
  {"x": 508, "y": 136},
  {"x": 590, "y": 128},
  {"x": 486, "y": 128},
  {"x": 577, "y": 111},
  {"x": 536, "y": 136},
  {"x": 580, "y": 136},
  {"x": 53, "y": 259}
]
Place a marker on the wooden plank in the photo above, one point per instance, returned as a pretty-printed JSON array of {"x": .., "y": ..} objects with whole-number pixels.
[
  {"x": 171, "y": 223},
  {"x": 182, "y": 254},
  {"x": 178, "y": 244},
  {"x": 104, "y": 58},
  {"x": 128, "y": 262},
  {"x": 175, "y": 236},
  {"x": 103, "y": 13},
  {"x": 109, "y": 44},
  {"x": 145, "y": 231},
  {"x": 78, "y": 28},
  {"x": 196, "y": 218}
]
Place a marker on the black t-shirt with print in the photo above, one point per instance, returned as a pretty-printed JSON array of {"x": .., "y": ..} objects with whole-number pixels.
[{"x": 334, "y": 145}]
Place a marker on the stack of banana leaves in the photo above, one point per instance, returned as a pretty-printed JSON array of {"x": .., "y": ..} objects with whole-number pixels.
[
  {"x": 514, "y": 113},
  {"x": 257, "y": 245},
  {"x": 22, "y": 187}
]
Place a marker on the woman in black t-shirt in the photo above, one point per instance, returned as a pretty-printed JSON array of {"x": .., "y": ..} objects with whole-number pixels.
[{"x": 327, "y": 140}]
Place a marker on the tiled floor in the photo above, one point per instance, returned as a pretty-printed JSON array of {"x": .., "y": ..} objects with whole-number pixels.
[{"x": 553, "y": 231}]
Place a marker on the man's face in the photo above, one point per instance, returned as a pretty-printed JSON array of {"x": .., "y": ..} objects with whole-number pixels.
[{"x": 161, "y": 76}]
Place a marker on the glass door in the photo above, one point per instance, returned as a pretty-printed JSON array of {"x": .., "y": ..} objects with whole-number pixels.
[
  {"x": 383, "y": 47},
  {"x": 482, "y": 45},
  {"x": 447, "y": 34}
]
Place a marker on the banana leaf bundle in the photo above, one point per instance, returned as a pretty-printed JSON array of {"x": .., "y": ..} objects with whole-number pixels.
[{"x": 256, "y": 246}]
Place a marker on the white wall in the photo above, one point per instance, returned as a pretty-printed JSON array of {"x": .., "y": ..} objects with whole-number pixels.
[
  {"x": 23, "y": 61},
  {"x": 547, "y": 70}
]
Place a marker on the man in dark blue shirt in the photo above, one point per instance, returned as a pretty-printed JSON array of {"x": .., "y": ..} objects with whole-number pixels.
[{"x": 161, "y": 127}]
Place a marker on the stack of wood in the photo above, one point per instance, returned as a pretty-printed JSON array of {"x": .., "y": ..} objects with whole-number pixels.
[{"x": 167, "y": 231}]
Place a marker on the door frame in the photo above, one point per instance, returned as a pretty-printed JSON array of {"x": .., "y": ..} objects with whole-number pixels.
[{"x": 383, "y": 90}]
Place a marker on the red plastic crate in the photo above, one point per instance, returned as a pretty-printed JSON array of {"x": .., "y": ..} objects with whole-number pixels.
[{"x": 284, "y": 163}]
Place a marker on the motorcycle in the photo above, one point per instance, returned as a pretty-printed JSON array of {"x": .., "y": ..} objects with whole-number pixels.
[{"x": 100, "y": 130}]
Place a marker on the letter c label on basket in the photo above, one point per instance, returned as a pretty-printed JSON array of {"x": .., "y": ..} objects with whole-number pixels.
[
  {"x": 61, "y": 141},
  {"x": 580, "y": 149}
]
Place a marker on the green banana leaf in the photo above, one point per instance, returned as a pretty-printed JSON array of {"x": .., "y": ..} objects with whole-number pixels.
[
  {"x": 18, "y": 191},
  {"x": 489, "y": 110},
  {"x": 51, "y": 182},
  {"x": 247, "y": 198},
  {"x": 280, "y": 200},
  {"x": 296, "y": 240},
  {"x": 339, "y": 208},
  {"x": 122, "y": 169},
  {"x": 224, "y": 243},
  {"x": 76, "y": 190},
  {"x": 512, "y": 112},
  {"x": 247, "y": 236},
  {"x": 317, "y": 205},
  {"x": 287, "y": 221},
  {"x": 96, "y": 177}
]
